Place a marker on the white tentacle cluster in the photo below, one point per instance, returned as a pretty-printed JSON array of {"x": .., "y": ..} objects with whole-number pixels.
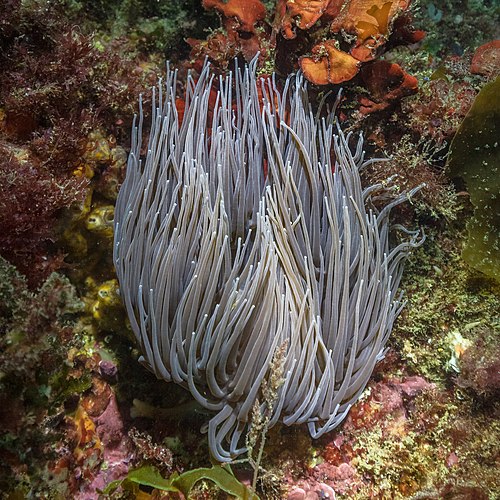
[{"x": 245, "y": 229}]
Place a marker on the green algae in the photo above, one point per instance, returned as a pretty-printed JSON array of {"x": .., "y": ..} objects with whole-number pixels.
[
  {"x": 151, "y": 25},
  {"x": 445, "y": 297},
  {"x": 475, "y": 156},
  {"x": 13, "y": 292},
  {"x": 148, "y": 476},
  {"x": 447, "y": 441}
]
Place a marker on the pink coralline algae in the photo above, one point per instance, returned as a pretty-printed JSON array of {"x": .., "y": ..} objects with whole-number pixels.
[
  {"x": 311, "y": 491},
  {"x": 338, "y": 472},
  {"x": 341, "y": 478},
  {"x": 386, "y": 398},
  {"x": 117, "y": 451}
]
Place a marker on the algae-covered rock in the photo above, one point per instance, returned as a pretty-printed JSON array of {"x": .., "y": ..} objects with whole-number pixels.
[{"x": 475, "y": 156}]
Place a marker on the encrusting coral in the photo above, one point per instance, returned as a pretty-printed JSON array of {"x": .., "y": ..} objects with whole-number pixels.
[{"x": 252, "y": 238}]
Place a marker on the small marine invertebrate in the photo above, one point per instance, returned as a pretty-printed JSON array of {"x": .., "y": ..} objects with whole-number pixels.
[
  {"x": 100, "y": 220},
  {"x": 244, "y": 232}
]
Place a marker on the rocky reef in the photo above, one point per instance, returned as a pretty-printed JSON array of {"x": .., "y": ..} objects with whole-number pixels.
[{"x": 80, "y": 417}]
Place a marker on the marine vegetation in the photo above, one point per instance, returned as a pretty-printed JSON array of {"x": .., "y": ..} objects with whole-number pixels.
[
  {"x": 81, "y": 419},
  {"x": 476, "y": 142},
  {"x": 244, "y": 235}
]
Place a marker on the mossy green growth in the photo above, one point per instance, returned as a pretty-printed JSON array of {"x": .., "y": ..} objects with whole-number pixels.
[
  {"x": 409, "y": 456},
  {"x": 13, "y": 292},
  {"x": 447, "y": 299},
  {"x": 153, "y": 25},
  {"x": 475, "y": 156},
  {"x": 40, "y": 332}
]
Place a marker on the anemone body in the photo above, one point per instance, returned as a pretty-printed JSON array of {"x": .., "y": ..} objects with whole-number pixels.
[{"x": 245, "y": 231}]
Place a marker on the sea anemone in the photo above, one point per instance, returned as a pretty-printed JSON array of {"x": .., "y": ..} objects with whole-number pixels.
[{"x": 245, "y": 234}]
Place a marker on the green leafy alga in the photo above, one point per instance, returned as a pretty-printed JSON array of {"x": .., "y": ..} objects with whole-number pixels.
[
  {"x": 149, "y": 476},
  {"x": 475, "y": 156}
]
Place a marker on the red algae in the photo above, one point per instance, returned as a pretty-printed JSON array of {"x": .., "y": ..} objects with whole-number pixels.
[{"x": 31, "y": 204}]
